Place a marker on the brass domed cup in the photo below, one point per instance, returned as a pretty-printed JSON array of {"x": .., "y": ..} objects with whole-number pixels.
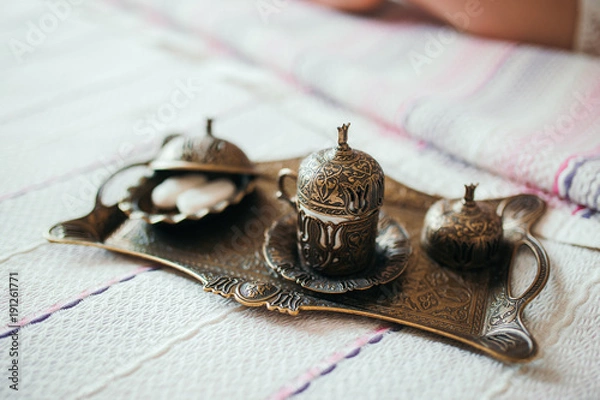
[{"x": 339, "y": 192}]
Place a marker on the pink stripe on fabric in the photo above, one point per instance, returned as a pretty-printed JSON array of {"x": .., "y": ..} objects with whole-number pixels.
[
  {"x": 591, "y": 153},
  {"x": 227, "y": 48},
  {"x": 51, "y": 181},
  {"x": 560, "y": 170},
  {"x": 430, "y": 86},
  {"x": 303, "y": 381},
  {"x": 502, "y": 59},
  {"x": 43, "y": 315},
  {"x": 551, "y": 200},
  {"x": 460, "y": 61},
  {"x": 71, "y": 174},
  {"x": 433, "y": 85},
  {"x": 593, "y": 94},
  {"x": 577, "y": 209},
  {"x": 158, "y": 18},
  {"x": 580, "y": 123}
]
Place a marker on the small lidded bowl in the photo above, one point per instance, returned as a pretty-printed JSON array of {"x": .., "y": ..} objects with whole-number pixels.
[
  {"x": 339, "y": 193},
  {"x": 464, "y": 233},
  {"x": 193, "y": 177}
]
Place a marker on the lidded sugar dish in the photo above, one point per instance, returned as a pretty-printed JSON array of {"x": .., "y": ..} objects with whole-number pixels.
[
  {"x": 192, "y": 177},
  {"x": 463, "y": 233}
]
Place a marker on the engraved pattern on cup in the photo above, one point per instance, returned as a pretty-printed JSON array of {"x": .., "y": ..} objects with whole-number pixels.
[{"x": 334, "y": 245}]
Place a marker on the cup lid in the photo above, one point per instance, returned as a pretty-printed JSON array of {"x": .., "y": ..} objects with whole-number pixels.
[{"x": 341, "y": 180}]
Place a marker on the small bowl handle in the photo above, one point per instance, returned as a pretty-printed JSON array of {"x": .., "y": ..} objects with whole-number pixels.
[
  {"x": 281, "y": 194},
  {"x": 114, "y": 174}
]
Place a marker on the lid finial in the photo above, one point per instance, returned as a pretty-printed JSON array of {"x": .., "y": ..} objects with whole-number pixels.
[
  {"x": 343, "y": 137},
  {"x": 209, "y": 122},
  {"x": 470, "y": 193}
]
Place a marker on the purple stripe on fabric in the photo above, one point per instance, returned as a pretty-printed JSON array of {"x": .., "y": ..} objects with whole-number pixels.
[
  {"x": 115, "y": 159},
  {"x": 9, "y": 333},
  {"x": 568, "y": 179},
  {"x": 39, "y": 319},
  {"x": 328, "y": 370},
  {"x": 353, "y": 353},
  {"x": 302, "y": 389},
  {"x": 50, "y": 181},
  {"x": 99, "y": 291},
  {"x": 127, "y": 278},
  {"x": 74, "y": 302},
  {"x": 301, "y": 383},
  {"x": 71, "y": 304},
  {"x": 376, "y": 339}
]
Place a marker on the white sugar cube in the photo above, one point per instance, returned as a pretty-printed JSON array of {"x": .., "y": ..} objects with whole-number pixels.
[
  {"x": 194, "y": 200},
  {"x": 165, "y": 195}
]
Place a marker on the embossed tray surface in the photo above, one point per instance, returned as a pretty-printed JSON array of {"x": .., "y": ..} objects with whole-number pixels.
[{"x": 224, "y": 252}]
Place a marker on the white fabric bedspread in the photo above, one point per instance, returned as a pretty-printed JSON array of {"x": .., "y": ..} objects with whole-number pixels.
[{"x": 89, "y": 87}]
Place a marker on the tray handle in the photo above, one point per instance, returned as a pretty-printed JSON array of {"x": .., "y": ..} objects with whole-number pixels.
[
  {"x": 519, "y": 213},
  {"x": 543, "y": 268},
  {"x": 97, "y": 225}
]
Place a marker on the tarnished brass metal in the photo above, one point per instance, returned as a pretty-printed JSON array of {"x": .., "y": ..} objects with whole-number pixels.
[
  {"x": 391, "y": 258},
  {"x": 339, "y": 194},
  {"x": 207, "y": 154},
  {"x": 179, "y": 155},
  {"x": 224, "y": 253},
  {"x": 463, "y": 233}
]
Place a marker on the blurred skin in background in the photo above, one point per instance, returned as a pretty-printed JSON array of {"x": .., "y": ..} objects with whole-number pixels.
[{"x": 544, "y": 22}]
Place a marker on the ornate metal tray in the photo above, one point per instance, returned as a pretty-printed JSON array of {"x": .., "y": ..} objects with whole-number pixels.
[{"x": 225, "y": 254}]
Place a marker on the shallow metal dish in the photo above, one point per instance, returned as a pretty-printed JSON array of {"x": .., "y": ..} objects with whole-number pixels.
[{"x": 138, "y": 203}]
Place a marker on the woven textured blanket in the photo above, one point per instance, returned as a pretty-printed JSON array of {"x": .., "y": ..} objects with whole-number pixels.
[{"x": 88, "y": 87}]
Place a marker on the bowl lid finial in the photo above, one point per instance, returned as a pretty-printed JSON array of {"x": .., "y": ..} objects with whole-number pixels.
[{"x": 209, "y": 122}]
